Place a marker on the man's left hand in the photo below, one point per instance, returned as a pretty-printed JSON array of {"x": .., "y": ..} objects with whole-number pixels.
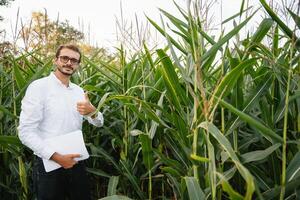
[{"x": 85, "y": 107}]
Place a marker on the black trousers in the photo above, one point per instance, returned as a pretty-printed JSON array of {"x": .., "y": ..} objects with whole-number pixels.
[{"x": 61, "y": 184}]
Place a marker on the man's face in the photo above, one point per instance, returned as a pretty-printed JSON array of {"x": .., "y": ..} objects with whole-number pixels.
[{"x": 67, "y": 62}]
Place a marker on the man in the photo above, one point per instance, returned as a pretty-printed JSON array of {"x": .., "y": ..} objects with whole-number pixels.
[{"x": 54, "y": 106}]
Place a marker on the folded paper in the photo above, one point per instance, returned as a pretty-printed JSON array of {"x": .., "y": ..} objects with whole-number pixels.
[{"x": 70, "y": 143}]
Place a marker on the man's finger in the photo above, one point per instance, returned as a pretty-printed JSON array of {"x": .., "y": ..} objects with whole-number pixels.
[
  {"x": 75, "y": 155},
  {"x": 81, "y": 109},
  {"x": 80, "y": 106},
  {"x": 81, "y": 103}
]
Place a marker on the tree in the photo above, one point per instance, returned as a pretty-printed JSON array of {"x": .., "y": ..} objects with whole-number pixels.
[
  {"x": 4, "y": 3},
  {"x": 45, "y": 34}
]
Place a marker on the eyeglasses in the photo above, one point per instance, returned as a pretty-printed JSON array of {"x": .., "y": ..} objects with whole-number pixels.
[{"x": 66, "y": 59}]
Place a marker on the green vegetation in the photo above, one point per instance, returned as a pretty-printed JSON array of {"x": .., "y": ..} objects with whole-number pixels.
[{"x": 202, "y": 118}]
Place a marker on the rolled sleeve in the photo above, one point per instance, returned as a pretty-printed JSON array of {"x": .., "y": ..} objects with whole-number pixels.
[
  {"x": 97, "y": 121},
  {"x": 30, "y": 118}
]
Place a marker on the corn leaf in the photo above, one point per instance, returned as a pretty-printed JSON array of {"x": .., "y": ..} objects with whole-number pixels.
[
  {"x": 268, "y": 133},
  {"x": 225, "y": 144},
  {"x": 116, "y": 197},
  {"x": 10, "y": 140},
  {"x": 194, "y": 190},
  {"x": 259, "y": 154},
  {"x": 176, "y": 44},
  {"x": 225, "y": 39},
  {"x": 262, "y": 30},
  {"x": 295, "y": 17},
  {"x": 112, "y": 185},
  {"x": 293, "y": 169}
]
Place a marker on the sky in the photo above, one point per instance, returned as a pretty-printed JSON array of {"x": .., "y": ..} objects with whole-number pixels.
[{"x": 98, "y": 18}]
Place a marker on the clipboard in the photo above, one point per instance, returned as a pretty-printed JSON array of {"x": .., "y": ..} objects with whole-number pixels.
[{"x": 70, "y": 143}]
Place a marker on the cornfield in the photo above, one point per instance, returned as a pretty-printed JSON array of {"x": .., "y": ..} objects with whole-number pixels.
[{"x": 201, "y": 118}]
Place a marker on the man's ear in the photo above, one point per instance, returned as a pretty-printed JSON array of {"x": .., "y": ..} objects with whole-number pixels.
[{"x": 55, "y": 60}]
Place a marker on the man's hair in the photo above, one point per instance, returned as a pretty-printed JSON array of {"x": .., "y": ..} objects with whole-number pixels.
[{"x": 68, "y": 46}]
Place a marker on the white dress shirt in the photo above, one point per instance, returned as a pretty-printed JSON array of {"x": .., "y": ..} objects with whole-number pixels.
[{"x": 49, "y": 108}]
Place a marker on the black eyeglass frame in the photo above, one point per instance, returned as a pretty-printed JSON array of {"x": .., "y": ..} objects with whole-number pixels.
[{"x": 66, "y": 59}]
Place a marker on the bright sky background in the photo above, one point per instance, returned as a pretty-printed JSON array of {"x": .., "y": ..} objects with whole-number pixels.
[{"x": 99, "y": 17}]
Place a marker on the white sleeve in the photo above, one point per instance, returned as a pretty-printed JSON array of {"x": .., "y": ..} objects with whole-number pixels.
[
  {"x": 30, "y": 118},
  {"x": 97, "y": 121}
]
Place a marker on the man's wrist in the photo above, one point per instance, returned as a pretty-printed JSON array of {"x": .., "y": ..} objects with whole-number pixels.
[
  {"x": 56, "y": 157},
  {"x": 93, "y": 114}
]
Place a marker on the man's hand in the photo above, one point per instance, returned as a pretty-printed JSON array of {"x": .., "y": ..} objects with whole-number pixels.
[
  {"x": 66, "y": 161},
  {"x": 85, "y": 107}
]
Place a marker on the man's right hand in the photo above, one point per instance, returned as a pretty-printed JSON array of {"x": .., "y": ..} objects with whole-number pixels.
[{"x": 66, "y": 161}]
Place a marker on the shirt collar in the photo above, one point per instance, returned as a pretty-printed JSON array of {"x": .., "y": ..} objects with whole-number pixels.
[{"x": 56, "y": 80}]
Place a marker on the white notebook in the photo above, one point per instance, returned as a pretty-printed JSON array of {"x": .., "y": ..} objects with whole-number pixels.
[{"x": 70, "y": 143}]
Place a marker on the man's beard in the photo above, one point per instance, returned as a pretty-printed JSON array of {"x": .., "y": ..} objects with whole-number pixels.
[{"x": 65, "y": 73}]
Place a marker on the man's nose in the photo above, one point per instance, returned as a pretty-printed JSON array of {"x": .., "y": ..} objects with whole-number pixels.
[{"x": 69, "y": 62}]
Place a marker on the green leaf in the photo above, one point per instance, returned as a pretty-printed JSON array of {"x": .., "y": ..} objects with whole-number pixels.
[
  {"x": 268, "y": 133},
  {"x": 275, "y": 48},
  {"x": 154, "y": 124},
  {"x": 92, "y": 88},
  {"x": 212, "y": 168},
  {"x": 194, "y": 190},
  {"x": 281, "y": 24},
  {"x": 262, "y": 30},
  {"x": 227, "y": 188},
  {"x": 22, "y": 174},
  {"x": 145, "y": 106},
  {"x": 106, "y": 74},
  {"x": 259, "y": 155},
  {"x": 182, "y": 26},
  {"x": 275, "y": 192},
  {"x": 293, "y": 169},
  {"x": 229, "y": 81},
  {"x": 10, "y": 140},
  {"x": 225, "y": 39},
  {"x": 276, "y": 18},
  {"x": 223, "y": 141},
  {"x": 115, "y": 197},
  {"x": 18, "y": 76},
  {"x": 36, "y": 75},
  {"x": 175, "y": 183},
  {"x": 147, "y": 150},
  {"x": 97, "y": 172},
  {"x": 253, "y": 97},
  {"x": 133, "y": 180},
  {"x": 100, "y": 151},
  {"x": 295, "y": 96},
  {"x": 176, "y": 44},
  {"x": 179, "y": 150},
  {"x": 102, "y": 101},
  {"x": 236, "y": 15},
  {"x": 295, "y": 17},
  {"x": 7, "y": 112},
  {"x": 112, "y": 185},
  {"x": 171, "y": 171},
  {"x": 111, "y": 68},
  {"x": 199, "y": 158},
  {"x": 176, "y": 165},
  {"x": 171, "y": 80},
  {"x": 242, "y": 7}
]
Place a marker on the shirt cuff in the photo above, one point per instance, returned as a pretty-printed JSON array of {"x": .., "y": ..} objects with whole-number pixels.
[
  {"x": 97, "y": 121},
  {"x": 47, "y": 152}
]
